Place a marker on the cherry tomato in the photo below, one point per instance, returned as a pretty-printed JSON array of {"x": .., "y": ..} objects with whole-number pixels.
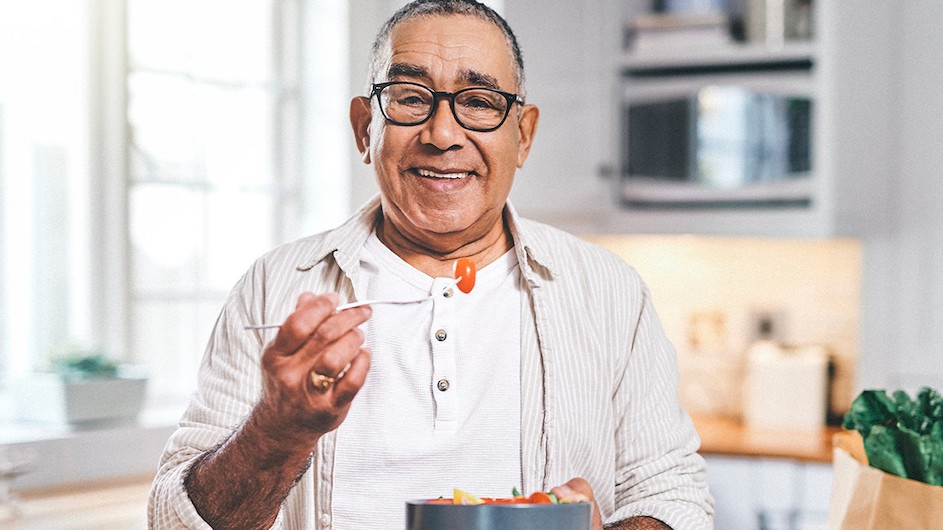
[
  {"x": 465, "y": 269},
  {"x": 499, "y": 500},
  {"x": 539, "y": 497}
]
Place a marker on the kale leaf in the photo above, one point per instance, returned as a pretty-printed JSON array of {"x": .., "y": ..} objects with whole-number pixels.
[{"x": 902, "y": 436}]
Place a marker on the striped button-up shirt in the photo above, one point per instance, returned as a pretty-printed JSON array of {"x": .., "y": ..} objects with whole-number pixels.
[{"x": 598, "y": 380}]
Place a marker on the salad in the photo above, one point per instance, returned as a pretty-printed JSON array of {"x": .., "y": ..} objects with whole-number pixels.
[{"x": 463, "y": 497}]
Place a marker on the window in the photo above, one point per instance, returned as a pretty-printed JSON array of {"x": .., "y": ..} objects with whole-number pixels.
[
  {"x": 216, "y": 174},
  {"x": 44, "y": 180},
  {"x": 210, "y": 164},
  {"x": 231, "y": 137}
]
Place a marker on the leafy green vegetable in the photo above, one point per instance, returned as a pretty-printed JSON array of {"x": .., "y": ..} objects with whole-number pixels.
[
  {"x": 881, "y": 447},
  {"x": 86, "y": 366},
  {"x": 902, "y": 436},
  {"x": 871, "y": 408}
]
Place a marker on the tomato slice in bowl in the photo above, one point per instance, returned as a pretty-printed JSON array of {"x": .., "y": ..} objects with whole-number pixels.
[{"x": 540, "y": 497}]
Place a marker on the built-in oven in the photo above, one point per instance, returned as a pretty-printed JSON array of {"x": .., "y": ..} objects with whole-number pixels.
[{"x": 708, "y": 137}]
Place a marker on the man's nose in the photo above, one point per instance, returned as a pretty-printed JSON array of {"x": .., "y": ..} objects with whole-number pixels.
[{"x": 442, "y": 130}]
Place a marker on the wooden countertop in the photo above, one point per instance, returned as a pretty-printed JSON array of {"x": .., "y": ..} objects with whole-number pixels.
[{"x": 729, "y": 436}]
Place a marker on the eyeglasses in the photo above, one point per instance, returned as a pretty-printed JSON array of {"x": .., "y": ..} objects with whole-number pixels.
[{"x": 476, "y": 108}]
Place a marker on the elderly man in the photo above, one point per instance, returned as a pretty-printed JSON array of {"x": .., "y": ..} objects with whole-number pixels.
[{"x": 553, "y": 373}]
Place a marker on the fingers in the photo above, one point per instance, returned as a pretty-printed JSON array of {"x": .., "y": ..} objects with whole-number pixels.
[
  {"x": 315, "y": 365},
  {"x": 332, "y": 358},
  {"x": 314, "y": 344},
  {"x": 347, "y": 386},
  {"x": 314, "y": 325},
  {"x": 575, "y": 490},
  {"x": 579, "y": 490},
  {"x": 309, "y": 312}
]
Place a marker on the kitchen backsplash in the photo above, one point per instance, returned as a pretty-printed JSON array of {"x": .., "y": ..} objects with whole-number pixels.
[{"x": 715, "y": 296}]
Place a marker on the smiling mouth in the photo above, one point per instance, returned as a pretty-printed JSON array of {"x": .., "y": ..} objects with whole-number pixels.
[{"x": 436, "y": 175}]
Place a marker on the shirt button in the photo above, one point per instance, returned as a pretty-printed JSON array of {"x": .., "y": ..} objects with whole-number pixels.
[
  {"x": 448, "y": 293},
  {"x": 443, "y": 385},
  {"x": 324, "y": 520},
  {"x": 441, "y": 335}
]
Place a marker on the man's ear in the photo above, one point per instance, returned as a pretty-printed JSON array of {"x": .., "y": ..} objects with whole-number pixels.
[
  {"x": 527, "y": 128},
  {"x": 360, "y": 117}
]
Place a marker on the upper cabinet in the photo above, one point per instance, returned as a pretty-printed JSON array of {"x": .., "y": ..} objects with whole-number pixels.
[{"x": 755, "y": 117}]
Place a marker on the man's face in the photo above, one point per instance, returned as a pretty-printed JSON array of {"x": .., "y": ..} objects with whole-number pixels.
[{"x": 442, "y": 185}]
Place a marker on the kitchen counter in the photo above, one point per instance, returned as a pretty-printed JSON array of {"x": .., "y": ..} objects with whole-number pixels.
[
  {"x": 729, "y": 436},
  {"x": 110, "y": 505}
]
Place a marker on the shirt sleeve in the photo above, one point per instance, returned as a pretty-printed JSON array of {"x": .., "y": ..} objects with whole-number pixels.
[
  {"x": 229, "y": 383},
  {"x": 659, "y": 472},
  {"x": 169, "y": 507}
]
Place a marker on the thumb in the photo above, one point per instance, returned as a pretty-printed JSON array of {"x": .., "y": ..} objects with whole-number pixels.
[{"x": 575, "y": 490}]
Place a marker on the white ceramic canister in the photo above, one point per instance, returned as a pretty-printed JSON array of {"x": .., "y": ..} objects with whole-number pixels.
[{"x": 786, "y": 387}]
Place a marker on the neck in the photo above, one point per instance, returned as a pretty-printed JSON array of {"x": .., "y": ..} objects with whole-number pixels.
[{"x": 436, "y": 256}]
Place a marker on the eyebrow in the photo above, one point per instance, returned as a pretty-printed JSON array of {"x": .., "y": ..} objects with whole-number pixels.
[
  {"x": 471, "y": 77},
  {"x": 407, "y": 70}
]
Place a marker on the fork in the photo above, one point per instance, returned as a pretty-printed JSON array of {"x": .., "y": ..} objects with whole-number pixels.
[{"x": 352, "y": 305}]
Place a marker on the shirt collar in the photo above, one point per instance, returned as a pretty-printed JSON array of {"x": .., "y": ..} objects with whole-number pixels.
[
  {"x": 533, "y": 253},
  {"x": 346, "y": 241}
]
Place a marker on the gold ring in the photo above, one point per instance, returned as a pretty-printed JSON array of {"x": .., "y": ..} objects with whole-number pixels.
[{"x": 321, "y": 382}]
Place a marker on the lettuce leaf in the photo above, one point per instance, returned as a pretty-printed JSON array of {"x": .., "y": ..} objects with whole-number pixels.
[
  {"x": 870, "y": 408},
  {"x": 902, "y": 436}
]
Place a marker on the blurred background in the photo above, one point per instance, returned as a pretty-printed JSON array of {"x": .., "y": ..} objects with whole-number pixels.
[{"x": 771, "y": 167}]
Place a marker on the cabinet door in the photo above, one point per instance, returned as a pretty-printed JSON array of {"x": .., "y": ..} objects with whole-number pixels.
[
  {"x": 768, "y": 493},
  {"x": 733, "y": 483}
]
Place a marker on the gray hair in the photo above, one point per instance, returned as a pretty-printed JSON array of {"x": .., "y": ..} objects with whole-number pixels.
[{"x": 421, "y": 8}]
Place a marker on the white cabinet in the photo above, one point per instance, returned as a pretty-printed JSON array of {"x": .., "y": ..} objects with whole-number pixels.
[
  {"x": 851, "y": 148},
  {"x": 769, "y": 494},
  {"x": 574, "y": 59}
]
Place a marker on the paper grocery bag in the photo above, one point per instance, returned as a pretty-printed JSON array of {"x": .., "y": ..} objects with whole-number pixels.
[{"x": 866, "y": 498}]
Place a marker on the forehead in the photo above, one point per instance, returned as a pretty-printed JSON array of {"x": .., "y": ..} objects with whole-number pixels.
[{"x": 453, "y": 49}]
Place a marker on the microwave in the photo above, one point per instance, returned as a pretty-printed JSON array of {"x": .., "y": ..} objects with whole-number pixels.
[{"x": 707, "y": 140}]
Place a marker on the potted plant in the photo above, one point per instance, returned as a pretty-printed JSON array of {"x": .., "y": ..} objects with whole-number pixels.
[{"x": 81, "y": 387}]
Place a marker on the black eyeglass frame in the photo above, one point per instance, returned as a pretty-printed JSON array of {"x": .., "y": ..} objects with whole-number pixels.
[{"x": 436, "y": 95}]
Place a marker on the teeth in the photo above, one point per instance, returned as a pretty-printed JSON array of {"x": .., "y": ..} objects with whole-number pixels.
[{"x": 433, "y": 174}]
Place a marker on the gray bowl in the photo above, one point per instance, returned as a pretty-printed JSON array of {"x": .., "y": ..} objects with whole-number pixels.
[{"x": 421, "y": 515}]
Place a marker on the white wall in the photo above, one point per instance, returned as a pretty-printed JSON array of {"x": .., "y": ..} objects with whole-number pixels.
[
  {"x": 811, "y": 287},
  {"x": 366, "y": 18},
  {"x": 902, "y": 342},
  {"x": 570, "y": 73}
]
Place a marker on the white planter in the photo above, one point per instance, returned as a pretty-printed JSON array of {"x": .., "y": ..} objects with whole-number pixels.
[{"x": 50, "y": 398}]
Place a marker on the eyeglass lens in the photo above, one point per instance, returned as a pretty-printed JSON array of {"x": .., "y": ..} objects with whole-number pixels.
[{"x": 475, "y": 108}]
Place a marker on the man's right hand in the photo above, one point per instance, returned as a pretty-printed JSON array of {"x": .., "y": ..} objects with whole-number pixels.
[
  {"x": 242, "y": 483},
  {"x": 314, "y": 344}
]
